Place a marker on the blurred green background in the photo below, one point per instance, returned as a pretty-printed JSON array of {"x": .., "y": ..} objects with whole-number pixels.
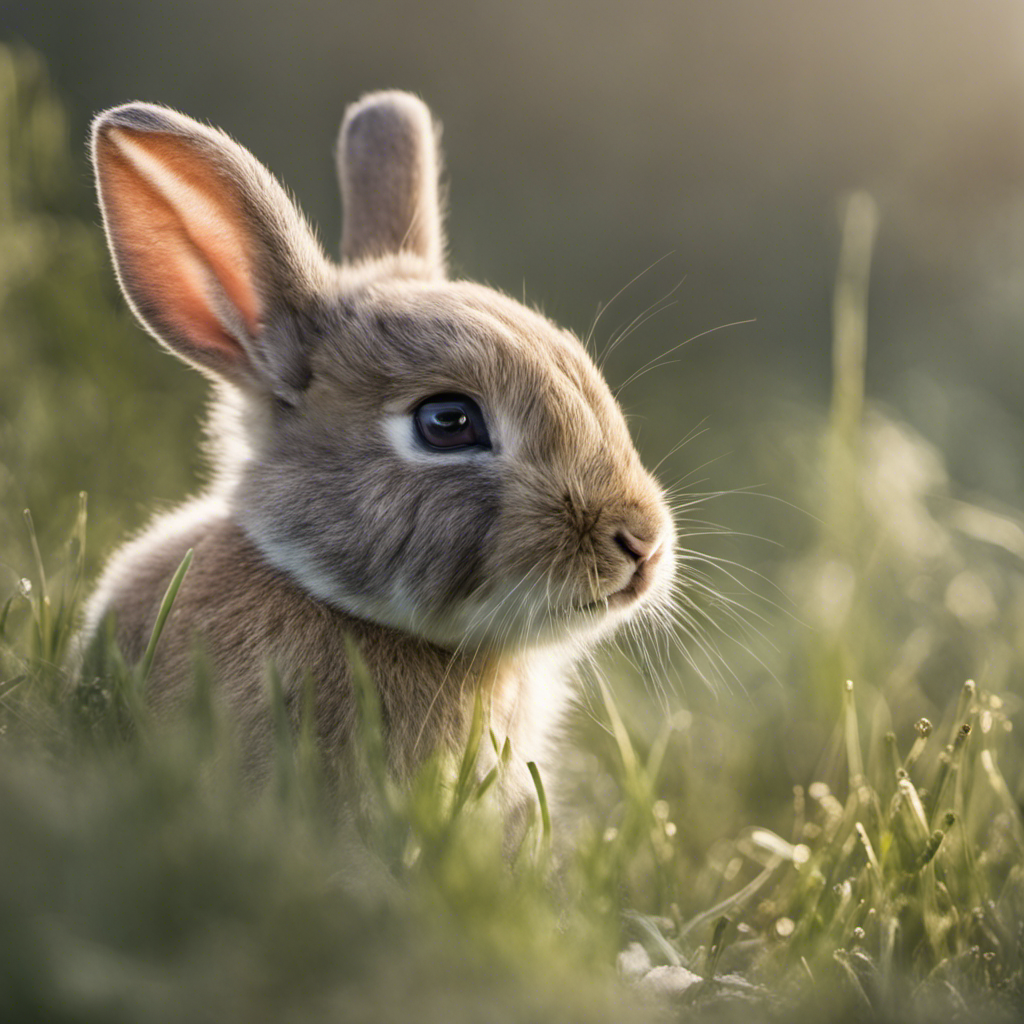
[
  {"x": 711, "y": 149},
  {"x": 709, "y": 144}
]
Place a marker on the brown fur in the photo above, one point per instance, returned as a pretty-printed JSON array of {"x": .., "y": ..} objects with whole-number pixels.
[
  {"x": 492, "y": 569},
  {"x": 419, "y": 684}
]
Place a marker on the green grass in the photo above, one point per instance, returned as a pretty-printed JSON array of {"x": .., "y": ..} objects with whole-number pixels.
[
  {"x": 144, "y": 878},
  {"x": 812, "y": 849}
]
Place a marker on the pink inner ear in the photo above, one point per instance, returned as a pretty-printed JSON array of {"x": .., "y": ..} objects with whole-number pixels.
[
  {"x": 187, "y": 297},
  {"x": 215, "y": 231},
  {"x": 178, "y": 231}
]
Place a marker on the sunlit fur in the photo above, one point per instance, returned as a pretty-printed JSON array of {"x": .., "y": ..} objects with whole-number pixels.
[{"x": 454, "y": 572}]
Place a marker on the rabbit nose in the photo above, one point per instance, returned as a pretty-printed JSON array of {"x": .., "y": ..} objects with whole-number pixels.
[
  {"x": 642, "y": 555},
  {"x": 639, "y": 551}
]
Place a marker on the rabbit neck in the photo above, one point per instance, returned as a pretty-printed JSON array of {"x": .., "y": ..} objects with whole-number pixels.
[
  {"x": 428, "y": 698},
  {"x": 427, "y": 692}
]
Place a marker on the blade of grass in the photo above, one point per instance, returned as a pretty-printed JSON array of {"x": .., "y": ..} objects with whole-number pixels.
[
  {"x": 849, "y": 349},
  {"x": 542, "y": 800},
  {"x": 4, "y": 612},
  {"x": 1006, "y": 798},
  {"x": 652, "y": 933},
  {"x": 963, "y": 708},
  {"x": 923, "y": 727},
  {"x": 854, "y": 757},
  {"x": 41, "y": 606},
  {"x": 945, "y": 790},
  {"x": 464, "y": 781},
  {"x": 71, "y": 584},
  {"x": 716, "y": 947},
  {"x": 627, "y": 754},
  {"x": 735, "y": 901},
  {"x": 165, "y": 609}
]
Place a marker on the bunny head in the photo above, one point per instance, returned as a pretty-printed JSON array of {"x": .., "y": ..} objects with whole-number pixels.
[{"x": 426, "y": 454}]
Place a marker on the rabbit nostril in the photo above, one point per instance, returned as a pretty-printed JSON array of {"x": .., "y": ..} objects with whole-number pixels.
[{"x": 638, "y": 550}]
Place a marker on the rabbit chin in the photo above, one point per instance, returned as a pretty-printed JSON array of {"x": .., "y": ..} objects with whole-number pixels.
[{"x": 496, "y": 624}]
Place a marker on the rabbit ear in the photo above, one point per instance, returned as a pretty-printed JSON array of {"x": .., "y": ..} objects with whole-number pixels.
[
  {"x": 211, "y": 253},
  {"x": 388, "y": 167}
]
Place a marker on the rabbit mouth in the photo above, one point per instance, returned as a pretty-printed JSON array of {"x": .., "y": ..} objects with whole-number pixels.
[{"x": 639, "y": 583}]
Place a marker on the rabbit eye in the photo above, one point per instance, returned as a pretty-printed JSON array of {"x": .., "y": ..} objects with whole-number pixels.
[{"x": 451, "y": 422}]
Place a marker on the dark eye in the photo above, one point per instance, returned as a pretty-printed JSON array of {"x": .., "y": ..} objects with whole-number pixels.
[{"x": 451, "y": 421}]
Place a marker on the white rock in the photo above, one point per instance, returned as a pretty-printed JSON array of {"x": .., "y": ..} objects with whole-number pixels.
[
  {"x": 668, "y": 982},
  {"x": 633, "y": 962}
]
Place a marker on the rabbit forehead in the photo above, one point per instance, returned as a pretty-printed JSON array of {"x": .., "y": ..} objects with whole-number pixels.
[{"x": 403, "y": 342}]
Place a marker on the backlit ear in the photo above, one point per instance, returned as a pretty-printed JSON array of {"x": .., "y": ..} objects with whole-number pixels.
[
  {"x": 388, "y": 166},
  {"x": 211, "y": 253}
]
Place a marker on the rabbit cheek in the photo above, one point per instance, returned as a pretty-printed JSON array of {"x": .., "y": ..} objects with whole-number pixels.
[
  {"x": 370, "y": 534},
  {"x": 442, "y": 561}
]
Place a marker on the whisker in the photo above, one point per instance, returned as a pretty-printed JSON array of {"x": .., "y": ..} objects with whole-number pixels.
[
  {"x": 652, "y": 310},
  {"x": 693, "y": 433},
  {"x": 607, "y": 305},
  {"x": 656, "y": 309},
  {"x": 675, "y": 348}
]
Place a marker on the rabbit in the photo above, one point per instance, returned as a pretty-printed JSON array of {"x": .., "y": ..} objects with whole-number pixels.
[{"x": 421, "y": 466}]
